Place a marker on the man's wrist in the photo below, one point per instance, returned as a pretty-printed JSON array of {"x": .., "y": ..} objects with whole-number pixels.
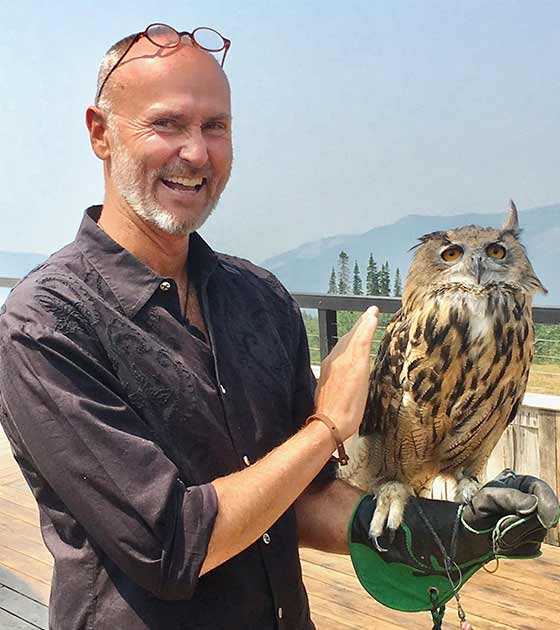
[{"x": 335, "y": 434}]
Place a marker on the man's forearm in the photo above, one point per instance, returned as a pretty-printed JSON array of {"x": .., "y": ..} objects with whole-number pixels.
[
  {"x": 251, "y": 500},
  {"x": 323, "y": 515}
]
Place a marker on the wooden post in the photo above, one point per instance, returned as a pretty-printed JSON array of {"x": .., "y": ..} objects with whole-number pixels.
[
  {"x": 548, "y": 458},
  {"x": 328, "y": 331}
]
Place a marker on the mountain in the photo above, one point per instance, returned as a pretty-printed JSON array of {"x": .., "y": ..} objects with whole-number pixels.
[{"x": 307, "y": 268}]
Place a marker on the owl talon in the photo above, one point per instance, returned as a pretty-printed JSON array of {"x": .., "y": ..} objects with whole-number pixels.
[
  {"x": 375, "y": 541},
  {"x": 389, "y": 511},
  {"x": 467, "y": 487}
]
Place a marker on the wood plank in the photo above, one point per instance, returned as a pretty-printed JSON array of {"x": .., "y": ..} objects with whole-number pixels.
[
  {"x": 357, "y": 621},
  {"x": 41, "y": 571},
  {"x": 10, "y": 509},
  {"x": 24, "y": 584},
  {"x": 19, "y": 484},
  {"x": 30, "y": 545},
  {"x": 324, "y": 623},
  {"x": 10, "y": 622},
  {"x": 347, "y": 596},
  {"x": 8, "y": 468},
  {"x": 9, "y": 477},
  {"x": 23, "y": 607},
  {"x": 21, "y": 497}
]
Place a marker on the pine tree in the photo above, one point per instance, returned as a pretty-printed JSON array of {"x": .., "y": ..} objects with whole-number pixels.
[
  {"x": 376, "y": 290},
  {"x": 397, "y": 289},
  {"x": 343, "y": 274},
  {"x": 332, "y": 282},
  {"x": 372, "y": 277},
  {"x": 385, "y": 279},
  {"x": 357, "y": 284}
]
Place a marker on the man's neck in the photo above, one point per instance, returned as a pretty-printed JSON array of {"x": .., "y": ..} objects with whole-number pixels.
[{"x": 165, "y": 254}]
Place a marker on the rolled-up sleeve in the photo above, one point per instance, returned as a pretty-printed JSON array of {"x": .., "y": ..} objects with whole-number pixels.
[{"x": 100, "y": 458}]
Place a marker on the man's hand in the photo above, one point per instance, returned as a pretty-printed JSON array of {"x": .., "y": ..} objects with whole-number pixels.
[
  {"x": 441, "y": 544},
  {"x": 343, "y": 385}
]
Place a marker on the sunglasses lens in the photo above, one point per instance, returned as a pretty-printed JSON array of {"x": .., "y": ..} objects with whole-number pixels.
[
  {"x": 208, "y": 39},
  {"x": 163, "y": 35}
]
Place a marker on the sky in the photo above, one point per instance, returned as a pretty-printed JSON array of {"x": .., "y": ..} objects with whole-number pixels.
[{"x": 347, "y": 115}]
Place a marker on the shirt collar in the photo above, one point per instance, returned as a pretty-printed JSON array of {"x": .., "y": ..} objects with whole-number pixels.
[{"x": 133, "y": 282}]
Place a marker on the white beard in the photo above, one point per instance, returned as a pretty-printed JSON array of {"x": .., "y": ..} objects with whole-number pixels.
[{"x": 136, "y": 188}]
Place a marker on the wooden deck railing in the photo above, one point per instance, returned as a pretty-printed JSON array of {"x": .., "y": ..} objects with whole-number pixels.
[{"x": 327, "y": 307}]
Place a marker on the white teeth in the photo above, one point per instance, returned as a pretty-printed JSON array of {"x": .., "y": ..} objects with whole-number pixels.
[{"x": 185, "y": 181}]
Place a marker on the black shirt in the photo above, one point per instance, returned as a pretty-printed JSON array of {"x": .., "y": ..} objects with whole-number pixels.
[{"x": 120, "y": 415}]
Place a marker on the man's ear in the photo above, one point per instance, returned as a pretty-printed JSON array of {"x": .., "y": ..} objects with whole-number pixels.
[{"x": 96, "y": 121}]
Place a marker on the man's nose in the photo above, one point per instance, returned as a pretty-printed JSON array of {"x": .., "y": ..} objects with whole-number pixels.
[{"x": 194, "y": 149}]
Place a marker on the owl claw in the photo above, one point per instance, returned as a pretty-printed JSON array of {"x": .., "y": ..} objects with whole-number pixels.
[
  {"x": 375, "y": 541},
  {"x": 466, "y": 489},
  {"x": 389, "y": 511}
]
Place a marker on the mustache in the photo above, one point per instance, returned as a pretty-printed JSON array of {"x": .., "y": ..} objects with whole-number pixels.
[{"x": 181, "y": 170}]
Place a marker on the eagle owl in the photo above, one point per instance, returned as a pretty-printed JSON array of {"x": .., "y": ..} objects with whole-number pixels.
[{"x": 451, "y": 369}]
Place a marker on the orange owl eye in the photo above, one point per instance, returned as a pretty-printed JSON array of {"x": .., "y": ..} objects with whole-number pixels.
[
  {"x": 452, "y": 253},
  {"x": 495, "y": 250}
]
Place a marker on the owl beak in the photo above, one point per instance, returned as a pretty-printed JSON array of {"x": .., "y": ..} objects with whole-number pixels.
[{"x": 478, "y": 268}]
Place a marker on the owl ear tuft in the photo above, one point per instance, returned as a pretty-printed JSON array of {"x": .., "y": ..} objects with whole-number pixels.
[{"x": 512, "y": 222}]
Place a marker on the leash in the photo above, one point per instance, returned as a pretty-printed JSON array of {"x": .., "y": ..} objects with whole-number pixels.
[{"x": 449, "y": 564}]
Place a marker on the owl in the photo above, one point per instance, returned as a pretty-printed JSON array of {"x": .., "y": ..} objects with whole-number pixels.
[{"x": 451, "y": 369}]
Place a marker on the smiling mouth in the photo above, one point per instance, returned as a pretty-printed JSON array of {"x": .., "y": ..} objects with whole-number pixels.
[{"x": 185, "y": 184}]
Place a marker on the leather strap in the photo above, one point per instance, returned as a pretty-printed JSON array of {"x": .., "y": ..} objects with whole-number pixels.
[{"x": 342, "y": 456}]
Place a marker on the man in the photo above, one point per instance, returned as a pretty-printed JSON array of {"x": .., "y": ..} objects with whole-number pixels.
[
  {"x": 145, "y": 379},
  {"x": 155, "y": 392}
]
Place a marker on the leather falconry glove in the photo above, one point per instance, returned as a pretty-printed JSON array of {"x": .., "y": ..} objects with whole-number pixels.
[{"x": 441, "y": 544}]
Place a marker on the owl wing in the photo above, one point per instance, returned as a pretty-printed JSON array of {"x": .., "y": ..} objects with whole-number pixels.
[
  {"x": 405, "y": 405},
  {"x": 385, "y": 392}
]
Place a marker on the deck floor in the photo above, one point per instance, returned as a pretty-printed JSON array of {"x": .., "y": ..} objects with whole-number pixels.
[{"x": 523, "y": 595}]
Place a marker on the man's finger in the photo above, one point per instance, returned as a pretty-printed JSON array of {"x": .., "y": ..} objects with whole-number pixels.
[{"x": 365, "y": 326}]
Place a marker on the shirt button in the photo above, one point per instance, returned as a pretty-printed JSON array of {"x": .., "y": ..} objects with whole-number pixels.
[
  {"x": 222, "y": 389},
  {"x": 280, "y": 612},
  {"x": 246, "y": 460},
  {"x": 266, "y": 538},
  {"x": 165, "y": 285}
]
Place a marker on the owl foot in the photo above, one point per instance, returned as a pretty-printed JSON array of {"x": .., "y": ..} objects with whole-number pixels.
[
  {"x": 391, "y": 501},
  {"x": 467, "y": 487}
]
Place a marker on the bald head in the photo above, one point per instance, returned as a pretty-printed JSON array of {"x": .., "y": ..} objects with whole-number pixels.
[{"x": 146, "y": 58}]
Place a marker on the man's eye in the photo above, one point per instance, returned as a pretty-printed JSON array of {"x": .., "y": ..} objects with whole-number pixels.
[
  {"x": 215, "y": 126},
  {"x": 164, "y": 123}
]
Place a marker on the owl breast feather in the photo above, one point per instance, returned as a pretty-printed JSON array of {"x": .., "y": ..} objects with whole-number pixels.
[{"x": 448, "y": 379}]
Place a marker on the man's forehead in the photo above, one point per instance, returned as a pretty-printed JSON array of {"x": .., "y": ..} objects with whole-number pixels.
[{"x": 150, "y": 68}]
